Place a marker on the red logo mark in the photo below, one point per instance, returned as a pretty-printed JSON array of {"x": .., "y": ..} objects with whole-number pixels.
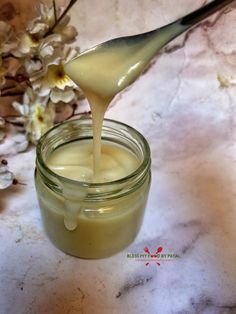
[{"x": 159, "y": 250}]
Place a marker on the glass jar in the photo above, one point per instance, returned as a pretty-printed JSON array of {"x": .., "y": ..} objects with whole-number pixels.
[{"x": 92, "y": 220}]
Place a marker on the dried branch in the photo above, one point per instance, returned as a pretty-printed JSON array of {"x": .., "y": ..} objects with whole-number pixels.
[
  {"x": 9, "y": 56},
  {"x": 19, "y": 78},
  {"x": 15, "y": 182},
  {"x": 4, "y": 89},
  {"x": 12, "y": 90},
  {"x": 72, "y": 2},
  {"x": 54, "y": 10},
  {"x": 73, "y": 114},
  {"x": 12, "y": 94},
  {"x": 14, "y": 123},
  {"x": 10, "y": 78}
]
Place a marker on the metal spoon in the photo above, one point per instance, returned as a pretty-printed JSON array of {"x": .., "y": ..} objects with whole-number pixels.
[
  {"x": 182, "y": 24},
  {"x": 111, "y": 66}
]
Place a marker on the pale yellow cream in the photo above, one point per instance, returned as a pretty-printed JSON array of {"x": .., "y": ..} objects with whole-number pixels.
[
  {"x": 77, "y": 222},
  {"x": 101, "y": 73},
  {"x": 105, "y": 70},
  {"x": 75, "y": 161}
]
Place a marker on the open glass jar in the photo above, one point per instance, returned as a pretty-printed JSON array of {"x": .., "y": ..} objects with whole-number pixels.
[{"x": 92, "y": 220}]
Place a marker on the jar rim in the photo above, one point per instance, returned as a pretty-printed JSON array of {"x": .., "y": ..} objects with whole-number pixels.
[{"x": 144, "y": 164}]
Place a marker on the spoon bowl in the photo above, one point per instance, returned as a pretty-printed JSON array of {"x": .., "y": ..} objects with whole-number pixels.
[{"x": 108, "y": 68}]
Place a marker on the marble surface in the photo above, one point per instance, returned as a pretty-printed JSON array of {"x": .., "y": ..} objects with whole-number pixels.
[{"x": 190, "y": 123}]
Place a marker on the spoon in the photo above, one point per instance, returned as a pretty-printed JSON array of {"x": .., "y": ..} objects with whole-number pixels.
[{"x": 108, "y": 68}]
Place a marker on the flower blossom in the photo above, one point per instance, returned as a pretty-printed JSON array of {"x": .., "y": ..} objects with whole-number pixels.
[
  {"x": 37, "y": 113},
  {"x": 6, "y": 176},
  {"x": 38, "y": 32},
  {"x": 53, "y": 80},
  {"x": 226, "y": 82},
  {"x": 37, "y": 70}
]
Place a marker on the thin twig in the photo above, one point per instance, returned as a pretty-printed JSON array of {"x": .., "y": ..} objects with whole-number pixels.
[
  {"x": 10, "y": 117},
  {"x": 12, "y": 94},
  {"x": 73, "y": 114},
  {"x": 9, "y": 56},
  {"x": 54, "y": 10},
  {"x": 15, "y": 90},
  {"x": 72, "y": 2},
  {"x": 74, "y": 107},
  {"x": 19, "y": 78},
  {"x": 14, "y": 123},
  {"x": 10, "y": 78},
  {"x": 15, "y": 182},
  {"x": 4, "y": 89}
]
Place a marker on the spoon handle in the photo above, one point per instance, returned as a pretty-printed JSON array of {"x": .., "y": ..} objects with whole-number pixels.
[
  {"x": 169, "y": 32},
  {"x": 202, "y": 13}
]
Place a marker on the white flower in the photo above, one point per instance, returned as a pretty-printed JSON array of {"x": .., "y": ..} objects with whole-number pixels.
[
  {"x": 48, "y": 46},
  {"x": 6, "y": 177},
  {"x": 27, "y": 44},
  {"x": 39, "y": 121},
  {"x": 54, "y": 77},
  {"x": 35, "y": 45},
  {"x": 53, "y": 80},
  {"x": 40, "y": 39},
  {"x": 38, "y": 115},
  {"x": 47, "y": 17},
  {"x": 32, "y": 66},
  {"x": 41, "y": 52},
  {"x": 226, "y": 82},
  {"x": 68, "y": 34},
  {"x": 14, "y": 141},
  {"x": 66, "y": 95}
]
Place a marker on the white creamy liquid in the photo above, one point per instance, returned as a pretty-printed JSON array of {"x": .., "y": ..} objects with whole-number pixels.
[
  {"x": 75, "y": 161},
  {"x": 101, "y": 73},
  {"x": 105, "y": 70}
]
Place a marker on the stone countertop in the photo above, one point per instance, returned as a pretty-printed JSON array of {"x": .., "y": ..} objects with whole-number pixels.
[{"x": 189, "y": 120}]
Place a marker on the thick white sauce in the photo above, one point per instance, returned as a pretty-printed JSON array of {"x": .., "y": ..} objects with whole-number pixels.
[
  {"x": 105, "y": 70},
  {"x": 75, "y": 161}
]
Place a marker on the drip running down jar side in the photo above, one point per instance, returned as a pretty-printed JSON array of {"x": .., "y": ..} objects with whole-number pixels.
[{"x": 92, "y": 220}]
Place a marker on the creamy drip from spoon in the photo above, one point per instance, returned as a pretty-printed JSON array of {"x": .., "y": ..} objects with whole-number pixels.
[
  {"x": 105, "y": 70},
  {"x": 108, "y": 68}
]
